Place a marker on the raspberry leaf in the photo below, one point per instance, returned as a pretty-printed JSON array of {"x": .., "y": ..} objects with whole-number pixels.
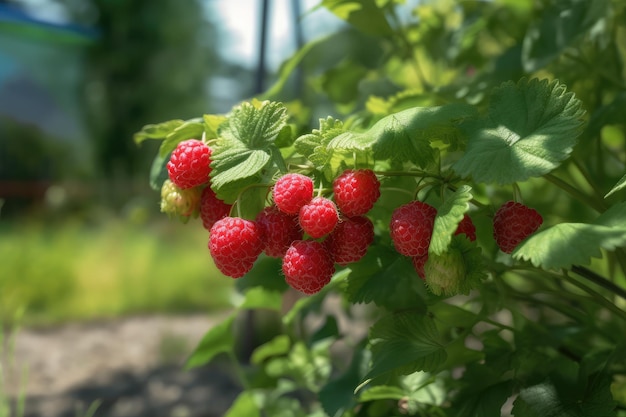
[
  {"x": 566, "y": 244},
  {"x": 234, "y": 168},
  {"x": 365, "y": 15},
  {"x": 387, "y": 279},
  {"x": 406, "y": 136},
  {"x": 191, "y": 129},
  {"x": 530, "y": 128},
  {"x": 220, "y": 339},
  {"x": 157, "y": 131},
  {"x": 621, "y": 184},
  {"x": 449, "y": 215},
  {"x": 255, "y": 124},
  {"x": 403, "y": 343}
]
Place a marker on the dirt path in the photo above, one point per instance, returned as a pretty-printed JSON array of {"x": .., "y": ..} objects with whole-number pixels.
[{"x": 132, "y": 366}]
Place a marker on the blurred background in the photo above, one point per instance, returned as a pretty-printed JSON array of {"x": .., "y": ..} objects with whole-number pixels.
[{"x": 81, "y": 235}]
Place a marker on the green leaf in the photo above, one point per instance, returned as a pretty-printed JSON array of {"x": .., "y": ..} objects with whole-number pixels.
[
  {"x": 259, "y": 297},
  {"x": 235, "y": 168},
  {"x": 406, "y": 136},
  {"x": 621, "y": 184},
  {"x": 530, "y": 129},
  {"x": 566, "y": 244},
  {"x": 158, "y": 171},
  {"x": 314, "y": 146},
  {"x": 191, "y": 129},
  {"x": 364, "y": 15},
  {"x": 382, "y": 392},
  {"x": 403, "y": 343},
  {"x": 487, "y": 402},
  {"x": 449, "y": 215},
  {"x": 386, "y": 278},
  {"x": 212, "y": 123},
  {"x": 615, "y": 216},
  {"x": 560, "y": 25},
  {"x": 157, "y": 131},
  {"x": 220, "y": 339},
  {"x": 278, "y": 346},
  {"x": 255, "y": 124},
  {"x": 244, "y": 406}
]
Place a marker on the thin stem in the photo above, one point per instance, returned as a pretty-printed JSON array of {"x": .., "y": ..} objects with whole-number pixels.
[
  {"x": 597, "y": 205},
  {"x": 599, "y": 280},
  {"x": 585, "y": 173},
  {"x": 596, "y": 295}
]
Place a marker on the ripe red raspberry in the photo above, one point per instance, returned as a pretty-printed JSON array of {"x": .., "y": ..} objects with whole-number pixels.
[
  {"x": 356, "y": 191},
  {"x": 189, "y": 164},
  {"x": 349, "y": 241},
  {"x": 308, "y": 266},
  {"x": 319, "y": 217},
  {"x": 513, "y": 223},
  {"x": 466, "y": 227},
  {"x": 212, "y": 208},
  {"x": 235, "y": 244},
  {"x": 418, "y": 264},
  {"x": 411, "y": 228},
  {"x": 292, "y": 191},
  {"x": 278, "y": 231}
]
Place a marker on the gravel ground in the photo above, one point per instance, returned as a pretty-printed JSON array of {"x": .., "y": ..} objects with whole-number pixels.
[{"x": 132, "y": 367}]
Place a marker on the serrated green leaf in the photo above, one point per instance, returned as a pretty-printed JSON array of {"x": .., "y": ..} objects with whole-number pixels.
[
  {"x": 259, "y": 297},
  {"x": 212, "y": 123},
  {"x": 157, "y": 131},
  {"x": 449, "y": 215},
  {"x": 406, "y": 136},
  {"x": 403, "y": 343},
  {"x": 191, "y": 129},
  {"x": 621, "y": 184},
  {"x": 255, "y": 124},
  {"x": 387, "y": 279},
  {"x": 220, "y": 339},
  {"x": 364, "y": 15},
  {"x": 566, "y": 244},
  {"x": 530, "y": 129},
  {"x": 314, "y": 146},
  {"x": 235, "y": 166},
  {"x": 278, "y": 346}
]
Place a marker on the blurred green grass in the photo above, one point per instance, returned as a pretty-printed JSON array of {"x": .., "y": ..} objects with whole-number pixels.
[{"x": 75, "y": 271}]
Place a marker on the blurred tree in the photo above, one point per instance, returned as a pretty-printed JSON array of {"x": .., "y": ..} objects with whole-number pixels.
[{"x": 146, "y": 49}]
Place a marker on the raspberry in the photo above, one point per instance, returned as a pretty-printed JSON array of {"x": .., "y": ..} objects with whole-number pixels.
[
  {"x": 319, "y": 217},
  {"x": 235, "y": 244},
  {"x": 513, "y": 223},
  {"x": 278, "y": 230},
  {"x": 411, "y": 228},
  {"x": 308, "y": 266},
  {"x": 349, "y": 241},
  {"x": 212, "y": 208},
  {"x": 176, "y": 201},
  {"x": 292, "y": 191},
  {"x": 418, "y": 264},
  {"x": 356, "y": 191},
  {"x": 189, "y": 164},
  {"x": 466, "y": 227}
]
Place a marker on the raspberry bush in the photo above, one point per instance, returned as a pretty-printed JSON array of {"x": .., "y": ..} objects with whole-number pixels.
[{"x": 471, "y": 221}]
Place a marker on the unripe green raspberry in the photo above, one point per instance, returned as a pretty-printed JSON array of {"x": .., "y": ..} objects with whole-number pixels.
[
  {"x": 446, "y": 273},
  {"x": 178, "y": 202}
]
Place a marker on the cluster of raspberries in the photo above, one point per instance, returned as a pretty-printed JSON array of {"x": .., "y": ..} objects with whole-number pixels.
[
  {"x": 312, "y": 234},
  {"x": 412, "y": 225}
]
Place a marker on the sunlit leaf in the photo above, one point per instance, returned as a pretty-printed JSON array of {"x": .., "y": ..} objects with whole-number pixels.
[
  {"x": 278, "y": 346},
  {"x": 566, "y": 244},
  {"x": 365, "y": 15},
  {"x": 530, "y": 129},
  {"x": 157, "y": 131},
  {"x": 255, "y": 126},
  {"x": 449, "y": 215},
  {"x": 262, "y": 298},
  {"x": 244, "y": 406},
  {"x": 191, "y": 129}
]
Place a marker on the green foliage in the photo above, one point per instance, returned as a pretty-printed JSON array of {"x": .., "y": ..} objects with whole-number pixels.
[{"x": 465, "y": 107}]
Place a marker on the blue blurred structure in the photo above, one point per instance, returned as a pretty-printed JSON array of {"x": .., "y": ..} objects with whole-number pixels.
[{"x": 41, "y": 105}]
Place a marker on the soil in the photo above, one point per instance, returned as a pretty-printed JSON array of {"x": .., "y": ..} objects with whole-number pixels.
[{"x": 131, "y": 367}]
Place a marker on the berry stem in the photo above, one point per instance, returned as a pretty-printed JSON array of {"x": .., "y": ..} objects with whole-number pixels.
[
  {"x": 599, "y": 280},
  {"x": 597, "y": 205}
]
